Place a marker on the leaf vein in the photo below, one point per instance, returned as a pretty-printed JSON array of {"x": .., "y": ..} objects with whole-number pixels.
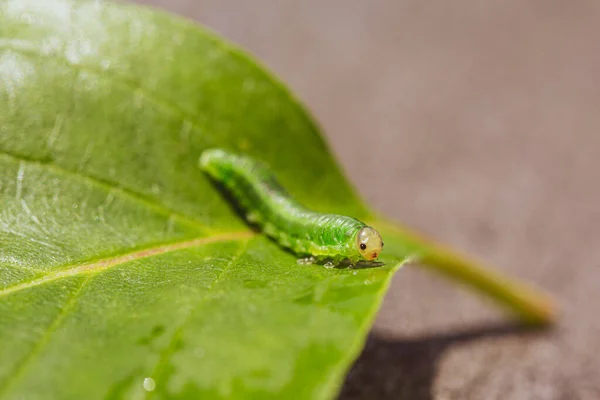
[
  {"x": 18, "y": 371},
  {"x": 169, "y": 350},
  {"x": 110, "y": 262},
  {"x": 29, "y": 49},
  {"x": 105, "y": 185}
]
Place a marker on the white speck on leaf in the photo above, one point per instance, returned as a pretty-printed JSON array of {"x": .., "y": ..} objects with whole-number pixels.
[
  {"x": 184, "y": 133},
  {"x": 15, "y": 70},
  {"x": 105, "y": 64},
  {"x": 87, "y": 154},
  {"x": 19, "y": 185},
  {"x": 30, "y": 214},
  {"x": 109, "y": 199},
  {"x": 138, "y": 99},
  {"x": 51, "y": 45},
  {"x": 170, "y": 224},
  {"x": 58, "y": 123}
]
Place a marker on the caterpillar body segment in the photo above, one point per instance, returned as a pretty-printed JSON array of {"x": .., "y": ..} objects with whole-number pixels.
[{"x": 267, "y": 205}]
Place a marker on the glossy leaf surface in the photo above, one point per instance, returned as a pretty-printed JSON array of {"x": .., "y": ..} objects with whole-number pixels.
[{"x": 123, "y": 272}]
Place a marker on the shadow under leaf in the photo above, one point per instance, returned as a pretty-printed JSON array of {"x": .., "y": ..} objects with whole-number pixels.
[{"x": 405, "y": 369}]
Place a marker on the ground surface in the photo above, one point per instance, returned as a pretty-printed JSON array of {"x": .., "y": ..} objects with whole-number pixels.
[{"x": 478, "y": 124}]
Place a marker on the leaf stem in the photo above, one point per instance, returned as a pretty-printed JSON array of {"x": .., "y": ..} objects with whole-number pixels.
[{"x": 530, "y": 305}]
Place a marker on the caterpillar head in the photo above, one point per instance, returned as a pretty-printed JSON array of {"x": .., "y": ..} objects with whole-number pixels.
[{"x": 369, "y": 243}]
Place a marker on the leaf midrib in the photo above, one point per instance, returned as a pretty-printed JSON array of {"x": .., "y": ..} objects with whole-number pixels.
[{"x": 110, "y": 262}]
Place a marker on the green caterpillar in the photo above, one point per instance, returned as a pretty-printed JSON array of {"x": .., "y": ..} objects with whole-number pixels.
[{"x": 315, "y": 236}]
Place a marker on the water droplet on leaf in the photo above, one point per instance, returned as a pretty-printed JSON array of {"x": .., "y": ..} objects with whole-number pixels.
[{"x": 149, "y": 384}]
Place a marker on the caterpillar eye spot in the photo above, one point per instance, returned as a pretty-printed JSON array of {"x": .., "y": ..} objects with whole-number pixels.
[{"x": 363, "y": 246}]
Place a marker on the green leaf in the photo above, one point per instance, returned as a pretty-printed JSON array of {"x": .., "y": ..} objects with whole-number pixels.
[
  {"x": 119, "y": 260},
  {"x": 123, "y": 272}
]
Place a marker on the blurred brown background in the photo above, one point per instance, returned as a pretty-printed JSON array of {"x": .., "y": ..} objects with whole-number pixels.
[{"x": 476, "y": 123}]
